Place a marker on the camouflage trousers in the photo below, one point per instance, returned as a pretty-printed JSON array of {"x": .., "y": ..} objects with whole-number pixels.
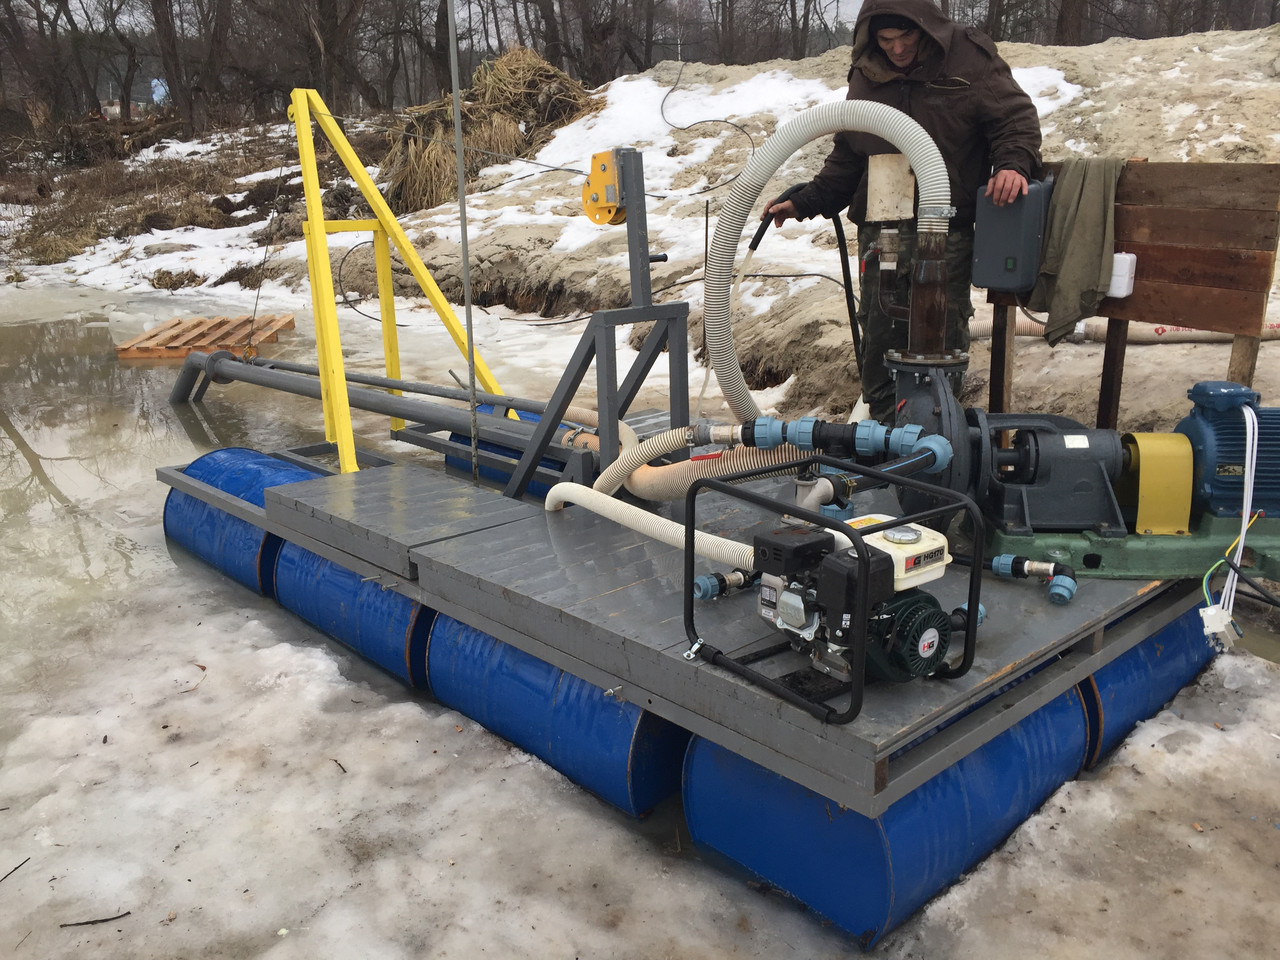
[{"x": 882, "y": 333}]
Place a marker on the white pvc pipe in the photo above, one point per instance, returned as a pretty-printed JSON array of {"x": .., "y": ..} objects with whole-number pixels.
[
  {"x": 1140, "y": 333},
  {"x": 822, "y": 120},
  {"x": 719, "y": 549}
]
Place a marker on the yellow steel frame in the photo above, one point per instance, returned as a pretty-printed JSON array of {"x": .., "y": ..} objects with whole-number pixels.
[{"x": 307, "y": 106}]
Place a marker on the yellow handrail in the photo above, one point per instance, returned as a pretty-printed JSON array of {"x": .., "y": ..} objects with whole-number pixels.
[{"x": 307, "y": 105}]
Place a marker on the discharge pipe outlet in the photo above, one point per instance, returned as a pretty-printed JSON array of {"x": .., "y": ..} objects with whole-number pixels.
[{"x": 932, "y": 217}]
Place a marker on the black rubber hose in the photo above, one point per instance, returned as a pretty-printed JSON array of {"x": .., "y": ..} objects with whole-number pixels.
[{"x": 851, "y": 303}]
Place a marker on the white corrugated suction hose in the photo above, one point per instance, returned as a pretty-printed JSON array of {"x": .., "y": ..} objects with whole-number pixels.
[{"x": 820, "y": 121}]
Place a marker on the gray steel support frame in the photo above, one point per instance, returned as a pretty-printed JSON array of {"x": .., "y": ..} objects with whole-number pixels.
[{"x": 599, "y": 343}]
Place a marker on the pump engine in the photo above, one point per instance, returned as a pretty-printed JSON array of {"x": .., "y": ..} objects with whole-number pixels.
[{"x": 839, "y": 608}]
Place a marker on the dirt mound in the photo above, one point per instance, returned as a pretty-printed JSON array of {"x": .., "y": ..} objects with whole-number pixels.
[{"x": 1207, "y": 97}]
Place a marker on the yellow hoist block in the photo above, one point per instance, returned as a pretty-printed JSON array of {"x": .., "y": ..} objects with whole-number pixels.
[
  {"x": 601, "y": 194},
  {"x": 1158, "y": 482}
]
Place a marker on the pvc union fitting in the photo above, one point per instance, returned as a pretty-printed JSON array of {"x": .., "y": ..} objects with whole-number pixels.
[
  {"x": 941, "y": 448},
  {"x": 1061, "y": 590}
]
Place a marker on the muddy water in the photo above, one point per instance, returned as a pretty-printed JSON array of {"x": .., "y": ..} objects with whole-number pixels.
[{"x": 81, "y": 435}]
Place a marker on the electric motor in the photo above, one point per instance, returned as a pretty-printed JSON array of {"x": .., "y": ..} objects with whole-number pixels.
[{"x": 1216, "y": 429}]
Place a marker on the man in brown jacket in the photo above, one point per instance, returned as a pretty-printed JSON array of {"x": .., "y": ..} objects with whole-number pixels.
[{"x": 950, "y": 80}]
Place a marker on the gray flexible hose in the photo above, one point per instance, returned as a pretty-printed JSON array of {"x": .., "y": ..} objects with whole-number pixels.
[{"x": 820, "y": 121}]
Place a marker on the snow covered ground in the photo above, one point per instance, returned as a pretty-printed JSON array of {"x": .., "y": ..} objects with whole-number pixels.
[{"x": 208, "y": 771}]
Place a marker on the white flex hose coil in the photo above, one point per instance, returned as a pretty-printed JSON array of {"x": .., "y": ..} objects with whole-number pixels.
[{"x": 820, "y": 121}]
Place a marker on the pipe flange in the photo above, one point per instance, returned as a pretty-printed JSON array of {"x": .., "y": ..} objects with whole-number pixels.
[
  {"x": 952, "y": 358},
  {"x": 212, "y": 361}
]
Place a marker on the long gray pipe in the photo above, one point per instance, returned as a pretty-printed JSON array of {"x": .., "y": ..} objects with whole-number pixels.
[
  {"x": 822, "y": 120},
  {"x": 224, "y": 367}
]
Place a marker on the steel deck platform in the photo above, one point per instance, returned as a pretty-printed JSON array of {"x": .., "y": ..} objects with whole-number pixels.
[{"x": 605, "y": 603}]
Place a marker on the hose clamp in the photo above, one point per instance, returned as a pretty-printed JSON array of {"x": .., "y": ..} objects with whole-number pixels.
[
  {"x": 573, "y": 435},
  {"x": 938, "y": 213},
  {"x": 692, "y": 652}
]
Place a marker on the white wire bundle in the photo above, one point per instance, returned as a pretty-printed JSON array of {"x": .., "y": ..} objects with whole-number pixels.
[{"x": 1250, "y": 465}]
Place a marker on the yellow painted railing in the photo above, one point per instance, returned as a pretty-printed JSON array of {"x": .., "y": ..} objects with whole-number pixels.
[{"x": 307, "y": 106}]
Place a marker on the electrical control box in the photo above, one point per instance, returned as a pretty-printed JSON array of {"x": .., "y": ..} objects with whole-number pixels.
[{"x": 1007, "y": 240}]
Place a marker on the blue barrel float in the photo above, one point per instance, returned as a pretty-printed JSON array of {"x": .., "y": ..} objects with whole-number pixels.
[
  {"x": 625, "y": 755},
  {"x": 867, "y": 875},
  {"x": 621, "y": 753},
  {"x": 1136, "y": 684},
  {"x": 381, "y": 625},
  {"x": 241, "y": 550}
]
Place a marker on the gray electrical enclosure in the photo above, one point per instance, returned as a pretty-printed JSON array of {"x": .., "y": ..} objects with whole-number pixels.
[{"x": 1007, "y": 240}]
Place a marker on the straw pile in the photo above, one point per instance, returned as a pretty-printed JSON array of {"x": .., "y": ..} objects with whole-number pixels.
[{"x": 513, "y": 107}]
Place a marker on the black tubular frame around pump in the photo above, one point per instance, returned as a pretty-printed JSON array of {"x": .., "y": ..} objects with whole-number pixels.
[{"x": 950, "y": 501}]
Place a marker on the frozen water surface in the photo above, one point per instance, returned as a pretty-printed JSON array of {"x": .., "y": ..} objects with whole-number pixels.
[{"x": 179, "y": 754}]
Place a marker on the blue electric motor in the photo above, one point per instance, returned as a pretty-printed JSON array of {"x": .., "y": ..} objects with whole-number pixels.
[{"x": 1216, "y": 429}]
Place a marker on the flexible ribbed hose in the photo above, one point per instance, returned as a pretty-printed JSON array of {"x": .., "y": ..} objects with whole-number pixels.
[
  {"x": 670, "y": 481},
  {"x": 820, "y": 121},
  {"x": 626, "y": 435},
  {"x": 720, "y": 549},
  {"x": 659, "y": 445}
]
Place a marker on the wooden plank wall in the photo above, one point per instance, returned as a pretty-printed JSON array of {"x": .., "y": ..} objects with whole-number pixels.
[{"x": 1205, "y": 235}]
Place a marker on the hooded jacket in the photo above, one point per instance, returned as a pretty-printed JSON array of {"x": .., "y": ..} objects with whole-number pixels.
[{"x": 960, "y": 91}]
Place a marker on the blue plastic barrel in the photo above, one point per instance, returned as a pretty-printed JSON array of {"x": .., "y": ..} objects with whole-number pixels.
[
  {"x": 621, "y": 753},
  {"x": 1136, "y": 684},
  {"x": 381, "y": 625},
  {"x": 499, "y": 474},
  {"x": 868, "y": 875},
  {"x": 241, "y": 550}
]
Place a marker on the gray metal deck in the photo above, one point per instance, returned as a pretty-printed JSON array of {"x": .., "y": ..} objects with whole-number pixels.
[{"x": 605, "y": 603}]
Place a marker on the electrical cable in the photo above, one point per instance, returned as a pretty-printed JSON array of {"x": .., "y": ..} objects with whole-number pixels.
[
  {"x": 1263, "y": 594},
  {"x": 1204, "y": 583},
  {"x": 342, "y": 291},
  {"x": 1246, "y": 518},
  {"x": 662, "y": 111}
]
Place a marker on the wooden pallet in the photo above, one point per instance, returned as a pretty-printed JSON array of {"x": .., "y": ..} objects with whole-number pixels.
[{"x": 176, "y": 338}]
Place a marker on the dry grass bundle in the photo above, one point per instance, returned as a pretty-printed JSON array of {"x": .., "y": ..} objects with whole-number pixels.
[
  {"x": 514, "y": 106},
  {"x": 176, "y": 280}
]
